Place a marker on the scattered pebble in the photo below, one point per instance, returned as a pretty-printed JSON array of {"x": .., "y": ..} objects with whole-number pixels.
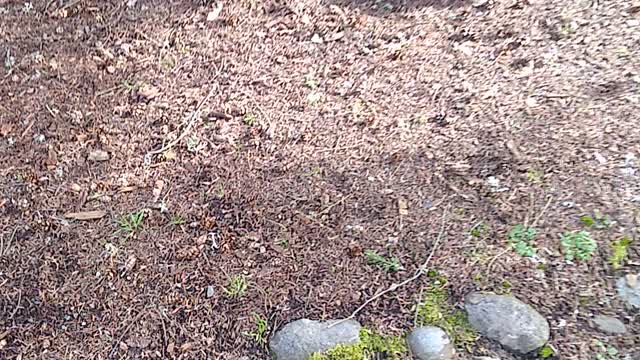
[
  {"x": 316, "y": 39},
  {"x": 507, "y": 320},
  {"x": 301, "y": 338},
  {"x": 430, "y": 343},
  {"x": 629, "y": 289},
  {"x": 210, "y": 291},
  {"x": 609, "y": 324},
  {"x": 98, "y": 155}
]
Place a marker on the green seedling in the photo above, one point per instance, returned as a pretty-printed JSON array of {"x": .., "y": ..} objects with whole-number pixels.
[
  {"x": 250, "y": 119},
  {"x": 389, "y": 265},
  {"x": 310, "y": 82},
  {"x": 521, "y": 240},
  {"x": 598, "y": 221},
  {"x": 131, "y": 223},
  {"x": 578, "y": 245},
  {"x": 237, "y": 286},
  {"x": 545, "y": 352},
  {"x": 260, "y": 332},
  {"x": 619, "y": 252},
  {"x": 177, "y": 220},
  {"x": 480, "y": 230}
]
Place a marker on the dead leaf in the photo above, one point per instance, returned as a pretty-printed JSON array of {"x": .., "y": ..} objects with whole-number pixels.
[
  {"x": 126, "y": 189},
  {"x": 402, "y": 207},
  {"x": 86, "y": 215},
  {"x": 169, "y": 155},
  {"x": 187, "y": 346},
  {"x": 213, "y": 15},
  {"x": 149, "y": 92},
  {"x": 157, "y": 190},
  {"x": 5, "y": 129},
  {"x": 130, "y": 263}
]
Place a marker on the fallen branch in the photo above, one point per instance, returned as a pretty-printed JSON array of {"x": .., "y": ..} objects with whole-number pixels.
[{"x": 419, "y": 272}]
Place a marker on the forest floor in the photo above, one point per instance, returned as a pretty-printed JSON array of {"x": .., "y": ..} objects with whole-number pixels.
[{"x": 170, "y": 173}]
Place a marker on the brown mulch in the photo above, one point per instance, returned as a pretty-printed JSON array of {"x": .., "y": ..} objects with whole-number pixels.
[{"x": 324, "y": 118}]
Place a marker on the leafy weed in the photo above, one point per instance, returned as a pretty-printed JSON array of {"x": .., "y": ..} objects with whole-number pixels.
[
  {"x": 259, "y": 334},
  {"x": 521, "y": 240},
  {"x": 131, "y": 223},
  {"x": 619, "y": 252},
  {"x": 578, "y": 245},
  {"x": 389, "y": 265},
  {"x": 370, "y": 346},
  {"x": 237, "y": 286}
]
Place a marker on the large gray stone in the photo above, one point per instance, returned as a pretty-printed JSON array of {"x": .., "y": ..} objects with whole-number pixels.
[
  {"x": 507, "y": 320},
  {"x": 609, "y": 324},
  {"x": 629, "y": 289},
  {"x": 430, "y": 343},
  {"x": 299, "y": 339}
]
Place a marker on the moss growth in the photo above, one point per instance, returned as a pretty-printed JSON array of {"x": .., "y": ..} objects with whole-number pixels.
[
  {"x": 388, "y": 347},
  {"x": 435, "y": 310}
]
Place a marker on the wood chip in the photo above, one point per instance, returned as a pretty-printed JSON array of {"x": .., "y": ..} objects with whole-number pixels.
[
  {"x": 98, "y": 155},
  {"x": 403, "y": 209},
  {"x": 86, "y": 215}
]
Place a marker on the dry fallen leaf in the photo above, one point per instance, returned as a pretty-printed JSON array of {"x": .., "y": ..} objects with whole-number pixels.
[
  {"x": 157, "y": 190},
  {"x": 130, "y": 264},
  {"x": 86, "y": 215},
  {"x": 148, "y": 91},
  {"x": 213, "y": 15}
]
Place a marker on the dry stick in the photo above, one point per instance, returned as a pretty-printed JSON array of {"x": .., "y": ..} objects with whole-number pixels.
[
  {"x": 421, "y": 270},
  {"x": 544, "y": 209}
]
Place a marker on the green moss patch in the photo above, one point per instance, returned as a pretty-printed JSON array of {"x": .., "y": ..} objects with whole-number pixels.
[
  {"x": 435, "y": 310},
  {"x": 388, "y": 347}
]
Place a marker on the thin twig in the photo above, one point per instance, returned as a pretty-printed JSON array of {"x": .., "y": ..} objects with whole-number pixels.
[
  {"x": 419, "y": 271},
  {"x": 192, "y": 119},
  {"x": 124, "y": 333},
  {"x": 544, "y": 209},
  {"x": 334, "y": 204}
]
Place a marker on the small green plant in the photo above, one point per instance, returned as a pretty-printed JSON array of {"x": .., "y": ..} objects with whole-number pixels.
[
  {"x": 168, "y": 63},
  {"x": 606, "y": 351},
  {"x": 132, "y": 222},
  {"x": 131, "y": 85},
  {"x": 390, "y": 265},
  {"x": 177, "y": 220},
  {"x": 250, "y": 119},
  {"x": 598, "y": 220},
  {"x": 370, "y": 346},
  {"x": 435, "y": 310},
  {"x": 237, "y": 286},
  {"x": 480, "y": 230},
  {"x": 578, "y": 245},
  {"x": 619, "y": 252},
  {"x": 521, "y": 240},
  {"x": 535, "y": 176},
  {"x": 545, "y": 352},
  {"x": 192, "y": 143},
  {"x": 260, "y": 332},
  {"x": 310, "y": 82}
]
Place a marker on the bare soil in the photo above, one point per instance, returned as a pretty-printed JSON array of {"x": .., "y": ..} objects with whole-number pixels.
[{"x": 322, "y": 129}]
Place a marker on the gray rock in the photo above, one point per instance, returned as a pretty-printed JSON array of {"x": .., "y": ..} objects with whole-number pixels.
[
  {"x": 210, "y": 291},
  {"x": 629, "y": 289},
  {"x": 609, "y": 324},
  {"x": 430, "y": 343},
  {"x": 301, "y": 338},
  {"x": 507, "y": 320}
]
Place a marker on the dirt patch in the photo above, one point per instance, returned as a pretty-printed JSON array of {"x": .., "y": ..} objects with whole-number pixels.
[{"x": 321, "y": 120}]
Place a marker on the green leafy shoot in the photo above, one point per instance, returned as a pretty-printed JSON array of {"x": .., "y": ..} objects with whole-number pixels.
[
  {"x": 131, "y": 223},
  {"x": 619, "y": 252},
  {"x": 177, "y": 220},
  {"x": 390, "y": 265},
  {"x": 578, "y": 245},
  {"x": 310, "y": 82},
  {"x": 546, "y": 352},
  {"x": 521, "y": 240},
  {"x": 259, "y": 334},
  {"x": 480, "y": 230},
  {"x": 237, "y": 286},
  {"x": 250, "y": 119},
  {"x": 598, "y": 221}
]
